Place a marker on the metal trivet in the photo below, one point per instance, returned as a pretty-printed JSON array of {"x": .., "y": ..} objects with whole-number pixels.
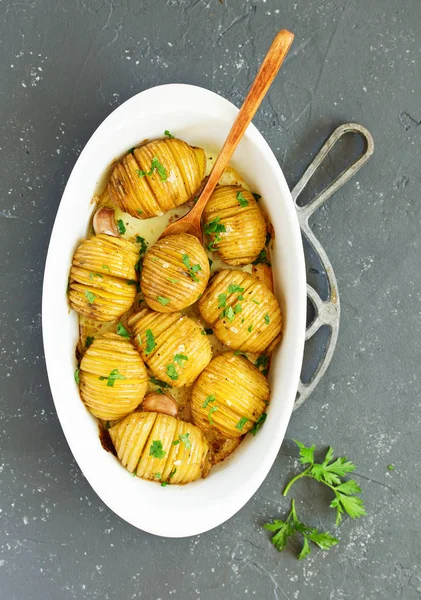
[{"x": 326, "y": 311}]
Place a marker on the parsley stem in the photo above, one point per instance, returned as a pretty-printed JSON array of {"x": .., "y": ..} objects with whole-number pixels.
[{"x": 303, "y": 474}]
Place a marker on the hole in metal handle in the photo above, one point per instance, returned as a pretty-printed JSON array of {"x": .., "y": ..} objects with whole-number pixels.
[{"x": 306, "y": 211}]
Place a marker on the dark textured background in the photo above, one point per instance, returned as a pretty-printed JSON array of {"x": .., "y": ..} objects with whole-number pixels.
[{"x": 65, "y": 65}]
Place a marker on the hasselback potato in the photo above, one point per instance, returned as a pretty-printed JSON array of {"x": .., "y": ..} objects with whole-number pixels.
[
  {"x": 161, "y": 448},
  {"x": 243, "y": 312},
  {"x": 156, "y": 177},
  {"x": 102, "y": 282},
  {"x": 173, "y": 346},
  {"x": 229, "y": 395},
  {"x": 234, "y": 224},
  {"x": 175, "y": 273},
  {"x": 112, "y": 377}
]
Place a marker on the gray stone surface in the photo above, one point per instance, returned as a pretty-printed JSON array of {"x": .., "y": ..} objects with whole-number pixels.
[{"x": 64, "y": 67}]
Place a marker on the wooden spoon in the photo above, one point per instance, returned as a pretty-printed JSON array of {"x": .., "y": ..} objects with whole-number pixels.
[{"x": 190, "y": 223}]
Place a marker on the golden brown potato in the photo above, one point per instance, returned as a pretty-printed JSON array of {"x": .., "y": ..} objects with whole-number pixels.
[
  {"x": 235, "y": 225},
  {"x": 112, "y": 377},
  {"x": 102, "y": 282},
  {"x": 175, "y": 273},
  {"x": 243, "y": 312},
  {"x": 173, "y": 346},
  {"x": 229, "y": 395},
  {"x": 161, "y": 448},
  {"x": 156, "y": 177}
]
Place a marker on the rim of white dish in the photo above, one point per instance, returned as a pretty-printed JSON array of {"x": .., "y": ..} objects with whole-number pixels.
[{"x": 189, "y": 522}]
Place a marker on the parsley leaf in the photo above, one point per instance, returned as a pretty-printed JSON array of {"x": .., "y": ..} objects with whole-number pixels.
[
  {"x": 184, "y": 437},
  {"x": 92, "y": 275},
  {"x": 258, "y": 424},
  {"x": 237, "y": 308},
  {"x": 262, "y": 258},
  {"x": 155, "y": 164},
  {"x": 192, "y": 269},
  {"x": 214, "y": 226},
  {"x": 120, "y": 226},
  {"x": 168, "y": 134},
  {"x": 256, "y": 196},
  {"x": 90, "y": 296},
  {"x": 241, "y": 423},
  {"x": 139, "y": 211},
  {"x": 222, "y": 300},
  {"x": 122, "y": 331},
  {"x": 106, "y": 267},
  {"x": 163, "y": 301},
  {"x": 208, "y": 399},
  {"x": 250, "y": 329},
  {"x": 171, "y": 280},
  {"x": 112, "y": 377},
  {"x": 150, "y": 342},
  {"x": 158, "y": 382},
  {"x": 156, "y": 449},
  {"x": 171, "y": 372},
  {"x": 89, "y": 341},
  {"x": 283, "y": 530},
  {"x": 234, "y": 288},
  {"x": 229, "y": 314},
  {"x": 262, "y": 361},
  {"x": 180, "y": 359},
  {"x": 330, "y": 472},
  {"x": 143, "y": 244},
  {"x": 267, "y": 319},
  {"x": 255, "y": 301},
  {"x": 207, "y": 331},
  {"x": 211, "y": 411},
  {"x": 243, "y": 202},
  {"x": 76, "y": 375}
]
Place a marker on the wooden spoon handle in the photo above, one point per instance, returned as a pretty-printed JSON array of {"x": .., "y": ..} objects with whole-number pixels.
[{"x": 267, "y": 73}]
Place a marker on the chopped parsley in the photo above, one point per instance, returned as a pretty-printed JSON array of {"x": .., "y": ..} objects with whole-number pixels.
[
  {"x": 391, "y": 467},
  {"x": 267, "y": 319},
  {"x": 258, "y": 424},
  {"x": 211, "y": 411},
  {"x": 112, "y": 377},
  {"x": 143, "y": 244},
  {"x": 139, "y": 339},
  {"x": 120, "y": 226},
  {"x": 228, "y": 313},
  {"x": 262, "y": 361},
  {"x": 107, "y": 425},
  {"x": 131, "y": 150},
  {"x": 168, "y": 134},
  {"x": 139, "y": 211},
  {"x": 155, "y": 164},
  {"x": 163, "y": 301},
  {"x": 92, "y": 275},
  {"x": 184, "y": 437},
  {"x": 156, "y": 449},
  {"x": 207, "y": 331},
  {"x": 222, "y": 300},
  {"x": 250, "y": 329},
  {"x": 241, "y": 423},
  {"x": 89, "y": 341},
  {"x": 173, "y": 472},
  {"x": 106, "y": 267},
  {"x": 234, "y": 288},
  {"x": 90, "y": 296},
  {"x": 163, "y": 384},
  {"x": 122, "y": 331},
  {"x": 76, "y": 375},
  {"x": 150, "y": 342},
  {"x": 243, "y": 202},
  {"x": 256, "y": 196},
  {"x": 255, "y": 301},
  {"x": 262, "y": 258},
  {"x": 180, "y": 359},
  {"x": 171, "y": 372},
  {"x": 210, "y": 263},
  {"x": 214, "y": 226},
  {"x": 237, "y": 308},
  {"x": 208, "y": 399},
  {"x": 192, "y": 269},
  {"x": 171, "y": 280}
]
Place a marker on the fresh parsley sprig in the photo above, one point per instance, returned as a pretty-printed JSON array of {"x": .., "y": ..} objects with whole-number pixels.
[
  {"x": 283, "y": 530},
  {"x": 330, "y": 472}
]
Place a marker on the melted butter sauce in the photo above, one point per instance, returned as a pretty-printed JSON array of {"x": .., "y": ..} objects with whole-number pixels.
[{"x": 150, "y": 230}]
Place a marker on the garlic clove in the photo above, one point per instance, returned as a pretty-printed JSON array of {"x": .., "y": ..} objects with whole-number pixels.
[{"x": 104, "y": 222}]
